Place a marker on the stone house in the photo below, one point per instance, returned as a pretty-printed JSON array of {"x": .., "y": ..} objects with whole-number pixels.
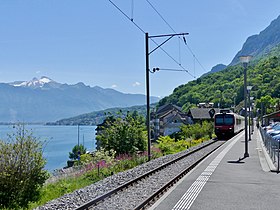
[{"x": 167, "y": 120}]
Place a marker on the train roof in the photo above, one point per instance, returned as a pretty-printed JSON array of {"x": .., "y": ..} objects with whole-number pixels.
[{"x": 230, "y": 113}]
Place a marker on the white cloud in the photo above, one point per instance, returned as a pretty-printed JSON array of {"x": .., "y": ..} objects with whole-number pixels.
[
  {"x": 135, "y": 84},
  {"x": 38, "y": 72},
  {"x": 114, "y": 86}
]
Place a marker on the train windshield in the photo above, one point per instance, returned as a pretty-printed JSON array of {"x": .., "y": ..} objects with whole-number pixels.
[{"x": 224, "y": 119}]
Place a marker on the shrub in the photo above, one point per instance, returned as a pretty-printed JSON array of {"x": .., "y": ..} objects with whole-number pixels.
[
  {"x": 102, "y": 154},
  {"x": 197, "y": 131},
  {"x": 21, "y": 169},
  {"x": 169, "y": 146}
]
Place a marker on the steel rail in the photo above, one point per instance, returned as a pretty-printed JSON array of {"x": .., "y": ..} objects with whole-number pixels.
[
  {"x": 98, "y": 199},
  {"x": 172, "y": 181}
]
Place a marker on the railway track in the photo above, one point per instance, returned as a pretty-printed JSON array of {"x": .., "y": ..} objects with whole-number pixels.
[{"x": 140, "y": 192}]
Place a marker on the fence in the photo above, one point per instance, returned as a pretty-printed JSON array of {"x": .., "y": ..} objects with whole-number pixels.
[{"x": 272, "y": 147}]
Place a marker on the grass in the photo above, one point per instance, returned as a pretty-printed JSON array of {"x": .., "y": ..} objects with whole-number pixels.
[{"x": 92, "y": 173}]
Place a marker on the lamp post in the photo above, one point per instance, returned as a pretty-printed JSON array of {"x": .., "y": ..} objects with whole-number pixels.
[
  {"x": 249, "y": 88},
  {"x": 251, "y": 99},
  {"x": 245, "y": 60}
]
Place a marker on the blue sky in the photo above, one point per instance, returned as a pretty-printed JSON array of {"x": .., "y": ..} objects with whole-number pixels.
[{"x": 90, "y": 41}]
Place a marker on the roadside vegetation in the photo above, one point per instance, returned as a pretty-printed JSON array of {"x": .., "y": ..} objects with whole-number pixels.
[
  {"x": 116, "y": 154},
  {"x": 22, "y": 173}
]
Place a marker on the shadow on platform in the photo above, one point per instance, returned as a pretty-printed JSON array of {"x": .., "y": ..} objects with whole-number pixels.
[{"x": 237, "y": 161}]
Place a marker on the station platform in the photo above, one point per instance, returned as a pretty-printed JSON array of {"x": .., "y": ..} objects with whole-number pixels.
[{"x": 225, "y": 181}]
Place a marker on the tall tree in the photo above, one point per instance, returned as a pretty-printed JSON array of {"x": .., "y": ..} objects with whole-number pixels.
[
  {"x": 77, "y": 151},
  {"x": 123, "y": 135}
]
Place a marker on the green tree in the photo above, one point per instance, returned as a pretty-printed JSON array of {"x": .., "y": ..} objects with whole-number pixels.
[
  {"x": 267, "y": 103},
  {"x": 22, "y": 171},
  {"x": 123, "y": 135},
  {"x": 77, "y": 151}
]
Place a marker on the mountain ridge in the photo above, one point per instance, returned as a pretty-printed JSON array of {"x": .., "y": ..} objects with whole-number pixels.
[
  {"x": 44, "y": 100},
  {"x": 256, "y": 45},
  {"x": 260, "y": 44},
  {"x": 226, "y": 88}
]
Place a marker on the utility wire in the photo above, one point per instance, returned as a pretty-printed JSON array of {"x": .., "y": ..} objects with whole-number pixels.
[
  {"x": 160, "y": 15},
  {"x": 132, "y": 10},
  {"x": 184, "y": 39},
  {"x": 131, "y": 20},
  {"x": 184, "y": 69},
  {"x": 163, "y": 69}
]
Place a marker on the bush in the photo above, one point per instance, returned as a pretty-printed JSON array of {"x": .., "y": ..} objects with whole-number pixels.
[
  {"x": 197, "y": 131},
  {"x": 102, "y": 154},
  {"x": 22, "y": 171},
  {"x": 169, "y": 146}
]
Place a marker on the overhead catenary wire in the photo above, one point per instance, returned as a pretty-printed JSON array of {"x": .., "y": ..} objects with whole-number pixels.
[
  {"x": 132, "y": 20},
  {"x": 129, "y": 18},
  {"x": 179, "y": 46},
  {"x": 184, "y": 39},
  {"x": 132, "y": 10},
  {"x": 167, "y": 69}
]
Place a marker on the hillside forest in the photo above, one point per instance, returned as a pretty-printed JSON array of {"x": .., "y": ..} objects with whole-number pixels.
[{"x": 226, "y": 88}]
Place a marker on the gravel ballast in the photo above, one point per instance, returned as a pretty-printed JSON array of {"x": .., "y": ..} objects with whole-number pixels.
[{"x": 132, "y": 196}]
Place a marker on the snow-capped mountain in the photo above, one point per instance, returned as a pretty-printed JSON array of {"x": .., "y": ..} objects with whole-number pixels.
[
  {"x": 44, "y": 100},
  {"x": 36, "y": 83}
]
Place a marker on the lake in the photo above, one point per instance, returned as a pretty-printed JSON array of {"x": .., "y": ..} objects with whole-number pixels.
[{"x": 59, "y": 141}]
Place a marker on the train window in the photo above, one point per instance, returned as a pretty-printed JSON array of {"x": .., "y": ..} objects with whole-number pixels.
[
  {"x": 238, "y": 121},
  {"x": 224, "y": 119},
  {"x": 219, "y": 120},
  {"x": 228, "y": 120}
]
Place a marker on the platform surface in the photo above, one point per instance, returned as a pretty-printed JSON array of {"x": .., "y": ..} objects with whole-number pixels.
[{"x": 225, "y": 181}]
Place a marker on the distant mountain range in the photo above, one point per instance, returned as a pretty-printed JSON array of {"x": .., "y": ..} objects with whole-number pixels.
[
  {"x": 97, "y": 117},
  {"x": 44, "y": 100},
  {"x": 256, "y": 45}
]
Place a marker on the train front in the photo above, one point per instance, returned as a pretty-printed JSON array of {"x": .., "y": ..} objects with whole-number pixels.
[{"x": 224, "y": 125}]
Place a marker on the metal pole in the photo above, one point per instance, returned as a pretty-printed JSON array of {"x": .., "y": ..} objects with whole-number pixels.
[
  {"x": 246, "y": 154},
  {"x": 252, "y": 117},
  {"x": 148, "y": 94},
  {"x": 78, "y": 136},
  {"x": 148, "y": 82},
  {"x": 249, "y": 115},
  {"x": 262, "y": 113},
  {"x": 278, "y": 157}
]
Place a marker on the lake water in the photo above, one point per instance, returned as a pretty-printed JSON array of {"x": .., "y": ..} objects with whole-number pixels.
[{"x": 59, "y": 141}]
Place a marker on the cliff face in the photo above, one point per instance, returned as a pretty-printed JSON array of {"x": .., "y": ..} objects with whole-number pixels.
[{"x": 258, "y": 45}]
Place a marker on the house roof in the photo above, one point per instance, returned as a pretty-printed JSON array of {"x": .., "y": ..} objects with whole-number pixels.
[
  {"x": 201, "y": 113},
  {"x": 179, "y": 115},
  {"x": 166, "y": 108}
]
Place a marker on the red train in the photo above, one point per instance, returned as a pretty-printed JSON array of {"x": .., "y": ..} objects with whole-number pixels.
[{"x": 227, "y": 124}]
